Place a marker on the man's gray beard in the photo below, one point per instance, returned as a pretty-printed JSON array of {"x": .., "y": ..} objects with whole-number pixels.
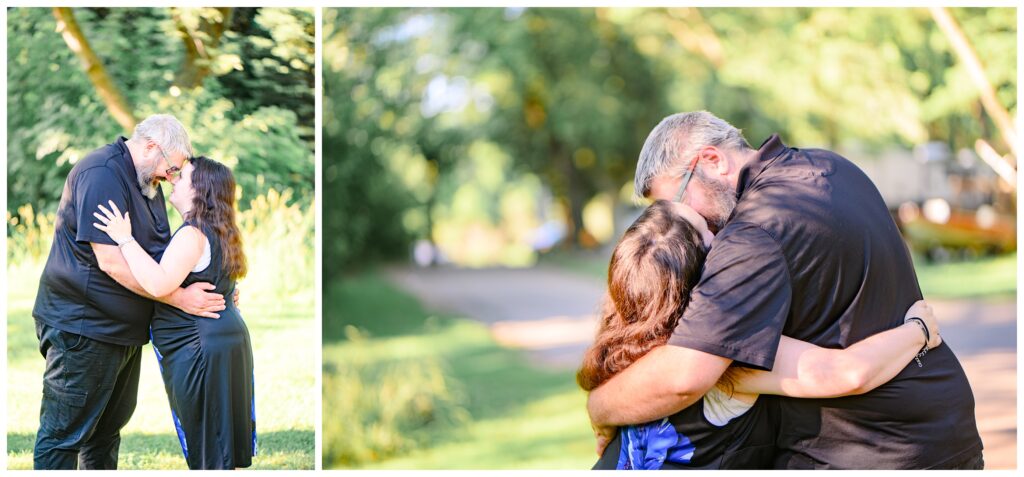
[
  {"x": 722, "y": 200},
  {"x": 147, "y": 184}
]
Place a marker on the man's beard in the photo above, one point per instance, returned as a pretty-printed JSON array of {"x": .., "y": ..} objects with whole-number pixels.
[
  {"x": 721, "y": 200},
  {"x": 147, "y": 183}
]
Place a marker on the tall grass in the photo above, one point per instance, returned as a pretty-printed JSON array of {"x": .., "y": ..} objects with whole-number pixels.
[
  {"x": 278, "y": 240},
  {"x": 376, "y": 410},
  {"x": 277, "y": 235},
  {"x": 28, "y": 235}
]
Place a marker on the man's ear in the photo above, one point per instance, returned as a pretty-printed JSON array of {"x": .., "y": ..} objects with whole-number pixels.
[{"x": 715, "y": 160}]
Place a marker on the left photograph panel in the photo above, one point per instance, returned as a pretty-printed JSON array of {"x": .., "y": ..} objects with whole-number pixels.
[{"x": 160, "y": 238}]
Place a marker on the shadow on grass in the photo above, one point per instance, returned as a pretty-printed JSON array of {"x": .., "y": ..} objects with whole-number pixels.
[
  {"x": 371, "y": 304},
  {"x": 287, "y": 449}
]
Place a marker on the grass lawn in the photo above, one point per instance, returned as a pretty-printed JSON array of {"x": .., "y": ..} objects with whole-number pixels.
[
  {"x": 990, "y": 277},
  {"x": 493, "y": 411},
  {"x": 282, "y": 334}
]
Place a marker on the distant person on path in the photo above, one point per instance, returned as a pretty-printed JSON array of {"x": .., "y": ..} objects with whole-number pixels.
[
  {"x": 804, "y": 247},
  {"x": 92, "y": 316},
  {"x": 653, "y": 268}
]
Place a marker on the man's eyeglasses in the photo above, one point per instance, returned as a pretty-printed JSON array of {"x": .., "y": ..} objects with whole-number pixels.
[
  {"x": 686, "y": 179},
  {"x": 171, "y": 170}
]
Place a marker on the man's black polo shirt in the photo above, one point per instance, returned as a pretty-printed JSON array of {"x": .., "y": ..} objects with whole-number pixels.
[
  {"x": 812, "y": 252},
  {"x": 74, "y": 294}
]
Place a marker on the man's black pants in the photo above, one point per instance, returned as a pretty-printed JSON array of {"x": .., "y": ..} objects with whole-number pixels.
[{"x": 89, "y": 393}]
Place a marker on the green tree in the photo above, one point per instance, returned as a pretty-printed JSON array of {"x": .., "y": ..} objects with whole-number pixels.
[
  {"x": 414, "y": 96},
  {"x": 248, "y": 102}
]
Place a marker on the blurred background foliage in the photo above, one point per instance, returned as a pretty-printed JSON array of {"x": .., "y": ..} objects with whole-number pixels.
[
  {"x": 241, "y": 80},
  {"x": 247, "y": 101},
  {"x": 457, "y": 139},
  {"x": 490, "y": 134}
]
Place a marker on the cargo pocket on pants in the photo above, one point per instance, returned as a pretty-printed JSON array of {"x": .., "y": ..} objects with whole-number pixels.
[{"x": 62, "y": 412}]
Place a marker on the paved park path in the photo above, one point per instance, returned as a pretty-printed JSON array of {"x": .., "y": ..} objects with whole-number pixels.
[{"x": 550, "y": 314}]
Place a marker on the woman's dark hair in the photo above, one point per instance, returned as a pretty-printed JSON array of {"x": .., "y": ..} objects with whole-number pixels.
[
  {"x": 213, "y": 209},
  {"x": 653, "y": 268}
]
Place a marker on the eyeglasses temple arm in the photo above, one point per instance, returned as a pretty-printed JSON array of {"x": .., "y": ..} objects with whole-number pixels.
[{"x": 686, "y": 180}]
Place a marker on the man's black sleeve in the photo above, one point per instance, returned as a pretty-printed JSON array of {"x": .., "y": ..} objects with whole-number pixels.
[
  {"x": 740, "y": 305},
  {"x": 93, "y": 187}
]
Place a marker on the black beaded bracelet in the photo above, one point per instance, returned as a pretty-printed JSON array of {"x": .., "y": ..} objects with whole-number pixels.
[
  {"x": 924, "y": 327},
  {"x": 927, "y": 338}
]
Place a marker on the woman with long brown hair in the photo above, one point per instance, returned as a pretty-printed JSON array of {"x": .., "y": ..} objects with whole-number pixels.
[
  {"x": 206, "y": 364},
  {"x": 653, "y": 268}
]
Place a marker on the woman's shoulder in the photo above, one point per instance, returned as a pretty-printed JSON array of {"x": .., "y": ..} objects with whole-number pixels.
[
  {"x": 189, "y": 228},
  {"x": 192, "y": 232},
  {"x": 191, "y": 236}
]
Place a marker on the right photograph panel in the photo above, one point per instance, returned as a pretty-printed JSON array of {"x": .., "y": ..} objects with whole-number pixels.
[{"x": 669, "y": 238}]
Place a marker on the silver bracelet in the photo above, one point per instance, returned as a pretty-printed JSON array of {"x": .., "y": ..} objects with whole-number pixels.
[
  {"x": 122, "y": 243},
  {"x": 927, "y": 338}
]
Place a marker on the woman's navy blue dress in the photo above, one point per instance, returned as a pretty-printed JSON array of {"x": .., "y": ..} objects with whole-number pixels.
[
  {"x": 207, "y": 368},
  {"x": 688, "y": 439}
]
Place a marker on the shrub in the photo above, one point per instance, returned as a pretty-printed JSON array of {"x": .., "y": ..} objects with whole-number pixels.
[{"x": 376, "y": 410}]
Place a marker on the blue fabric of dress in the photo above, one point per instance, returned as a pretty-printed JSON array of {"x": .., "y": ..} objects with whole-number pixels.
[{"x": 649, "y": 446}]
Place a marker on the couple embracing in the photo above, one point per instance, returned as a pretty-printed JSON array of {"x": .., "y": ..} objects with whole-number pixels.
[
  {"x": 116, "y": 278},
  {"x": 764, "y": 312}
]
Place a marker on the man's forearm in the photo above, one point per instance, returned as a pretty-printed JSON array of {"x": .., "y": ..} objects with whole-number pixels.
[
  {"x": 119, "y": 271},
  {"x": 632, "y": 397},
  {"x": 662, "y": 383}
]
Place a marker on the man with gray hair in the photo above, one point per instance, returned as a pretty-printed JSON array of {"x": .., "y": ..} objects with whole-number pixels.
[
  {"x": 805, "y": 247},
  {"x": 92, "y": 316}
]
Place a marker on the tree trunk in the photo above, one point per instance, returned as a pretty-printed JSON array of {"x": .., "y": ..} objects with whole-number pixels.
[
  {"x": 431, "y": 204},
  {"x": 998, "y": 163},
  {"x": 111, "y": 96},
  {"x": 575, "y": 195},
  {"x": 195, "y": 67},
  {"x": 967, "y": 55}
]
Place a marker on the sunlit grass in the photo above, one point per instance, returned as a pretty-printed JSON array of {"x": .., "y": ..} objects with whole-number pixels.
[
  {"x": 507, "y": 413},
  {"x": 986, "y": 277}
]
